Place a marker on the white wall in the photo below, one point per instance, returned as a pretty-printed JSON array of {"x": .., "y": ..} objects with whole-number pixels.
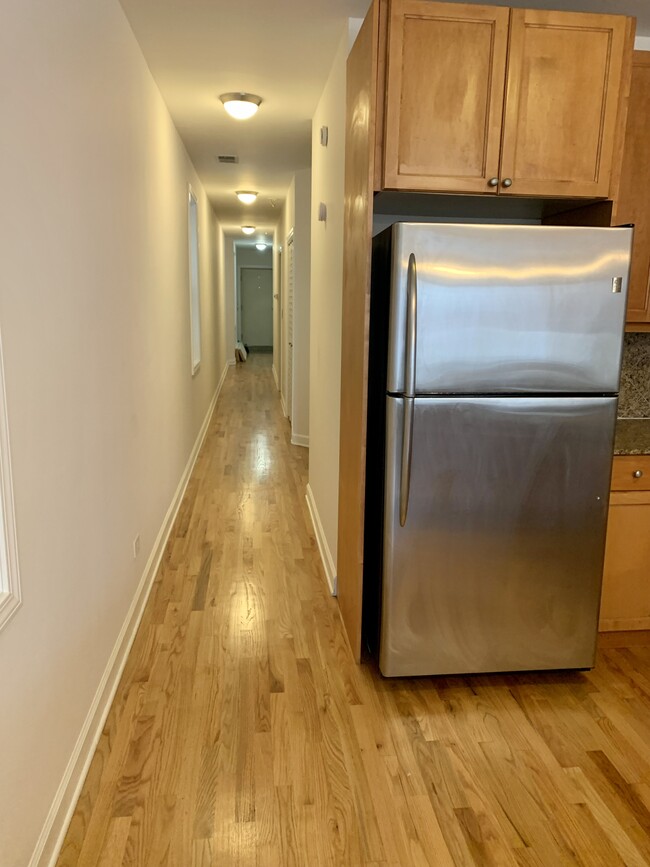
[
  {"x": 227, "y": 284},
  {"x": 103, "y": 411},
  {"x": 286, "y": 225},
  {"x": 251, "y": 257},
  {"x": 642, "y": 43},
  {"x": 278, "y": 265},
  {"x": 301, "y": 306},
  {"x": 328, "y": 175}
]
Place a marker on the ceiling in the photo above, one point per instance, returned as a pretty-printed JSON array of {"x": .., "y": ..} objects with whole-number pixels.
[{"x": 281, "y": 51}]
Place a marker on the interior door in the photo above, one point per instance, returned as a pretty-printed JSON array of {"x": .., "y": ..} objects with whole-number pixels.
[
  {"x": 498, "y": 565},
  {"x": 444, "y": 97},
  {"x": 564, "y": 81},
  {"x": 256, "y": 293}
]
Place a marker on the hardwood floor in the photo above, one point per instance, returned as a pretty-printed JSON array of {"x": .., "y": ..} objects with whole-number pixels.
[{"x": 243, "y": 734}]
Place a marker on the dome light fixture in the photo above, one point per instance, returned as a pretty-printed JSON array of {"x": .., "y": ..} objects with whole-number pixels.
[
  {"x": 246, "y": 196},
  {"x": 261, "y": 246},
  {"x": 248, "y": 230},
  {"x": 241, "y": 106}
]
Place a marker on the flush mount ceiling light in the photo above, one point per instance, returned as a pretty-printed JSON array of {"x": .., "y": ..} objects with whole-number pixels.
[
  {"x": 241, "y": 106},
  {"x": 261, "y": 246},
  {"x": 248, "y": 230},
  {"x": 246, "y": 196}
]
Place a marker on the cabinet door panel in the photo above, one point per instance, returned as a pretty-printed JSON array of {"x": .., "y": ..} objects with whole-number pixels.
[
  {"x": 444, "y": 100},
  {"x": 633, "y": 205},
  {"x": 564, "y": 81},
  {"x": 626, "y": 581}
]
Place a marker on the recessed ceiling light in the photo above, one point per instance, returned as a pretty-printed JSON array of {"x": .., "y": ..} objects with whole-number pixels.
[
  {"x": 261, "y": 247},
  {"x": 246, "y": 196},
  {"x": 248, "y": 230},
  {"x": 241, "y": 106}
]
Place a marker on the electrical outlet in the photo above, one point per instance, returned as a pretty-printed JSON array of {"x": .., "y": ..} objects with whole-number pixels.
[{"x": 136, "y": 546}]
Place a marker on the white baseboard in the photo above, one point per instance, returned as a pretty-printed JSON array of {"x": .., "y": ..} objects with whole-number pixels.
[
  {"x": 275, "y": 377},
  {"x": 323, "y": 547},
  {"x": 299, "y": 440},
  {"x": 284, "y": 408},
  {"x": 213, "y": 403},
  {"x": 54, "y": 830}
]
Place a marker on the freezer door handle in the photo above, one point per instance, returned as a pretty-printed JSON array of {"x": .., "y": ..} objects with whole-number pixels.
[
  {"x": 411, "y": 326},
  {"x": 409, "y": 386},
  {"x": 407, "y": 449}
]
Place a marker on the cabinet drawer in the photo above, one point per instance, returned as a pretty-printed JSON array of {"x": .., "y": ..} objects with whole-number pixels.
[{"x": 624, "y": 472}]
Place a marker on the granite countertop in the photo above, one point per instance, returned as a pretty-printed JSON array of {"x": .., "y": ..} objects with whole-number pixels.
[{"x": 632, "y": 436}]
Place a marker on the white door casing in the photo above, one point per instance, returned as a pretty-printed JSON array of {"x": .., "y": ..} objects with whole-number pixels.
[{"x": 289, "y": 307}]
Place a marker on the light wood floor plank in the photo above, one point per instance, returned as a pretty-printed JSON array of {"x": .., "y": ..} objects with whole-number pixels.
[{"x": 243, "y": 734}]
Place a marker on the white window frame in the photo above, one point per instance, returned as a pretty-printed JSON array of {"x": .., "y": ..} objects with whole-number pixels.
[
  {"x": 194, "y": 278},
  {"x": 10, "y": 594}
]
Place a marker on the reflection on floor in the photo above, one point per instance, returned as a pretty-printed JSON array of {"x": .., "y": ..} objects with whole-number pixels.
[{"x": 243, "y": 734}]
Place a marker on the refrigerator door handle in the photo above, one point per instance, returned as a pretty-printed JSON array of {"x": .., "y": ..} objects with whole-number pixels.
[
  {"x": 411, "y": 326},
  {"x": 407, "y": 449},
  {"x": 409, "y": 390}
]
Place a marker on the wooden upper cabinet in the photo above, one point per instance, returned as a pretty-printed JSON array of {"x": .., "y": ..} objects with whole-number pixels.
[
  {"x": 444, "y": 95},
  {"x": 484, "y": 99},
  {"x": 633, "y": 201},
  {"x": 562, "y": 98}
]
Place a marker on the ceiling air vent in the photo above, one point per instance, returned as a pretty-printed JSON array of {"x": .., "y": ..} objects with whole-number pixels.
[{"x": 228, "y": 158}]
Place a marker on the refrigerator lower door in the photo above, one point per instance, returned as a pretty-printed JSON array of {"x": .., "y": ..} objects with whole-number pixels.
[{"x": 498, "y": 565}]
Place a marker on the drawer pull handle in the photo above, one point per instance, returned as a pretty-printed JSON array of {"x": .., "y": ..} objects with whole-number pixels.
[{"x": 638, "y": 474}]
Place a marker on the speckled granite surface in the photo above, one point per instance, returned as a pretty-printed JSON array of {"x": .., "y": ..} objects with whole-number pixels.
[
  {"x": 633, "y": 427},
  {"x": 634, "y": 400},
  {"x": 632, "y": 436}
]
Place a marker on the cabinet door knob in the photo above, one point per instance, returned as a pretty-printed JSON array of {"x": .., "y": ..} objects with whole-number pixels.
[
  {"x": 493, "y": 182},
  {"x": 638, "y": 474},
  {"x": 507, "y": 182}
]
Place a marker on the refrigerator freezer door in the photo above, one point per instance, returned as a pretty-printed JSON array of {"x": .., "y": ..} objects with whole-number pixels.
[
  {"x": 499, "y": 564},
  {"x": 510, "y": 309}
]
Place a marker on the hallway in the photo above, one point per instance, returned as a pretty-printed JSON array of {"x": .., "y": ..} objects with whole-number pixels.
[{"x": 243, "y": 734}]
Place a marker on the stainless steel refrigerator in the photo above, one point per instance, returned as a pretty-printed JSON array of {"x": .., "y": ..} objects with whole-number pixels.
[{"x": 497, "y": 350}]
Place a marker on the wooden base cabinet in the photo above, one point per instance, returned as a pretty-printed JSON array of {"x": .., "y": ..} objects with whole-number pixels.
[{"x": 626, "y": 582}]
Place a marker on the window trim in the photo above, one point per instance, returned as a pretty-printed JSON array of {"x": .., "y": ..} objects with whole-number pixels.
[
  {"x": 194, "y": 282},
  {"x": 10, "y": 592}
]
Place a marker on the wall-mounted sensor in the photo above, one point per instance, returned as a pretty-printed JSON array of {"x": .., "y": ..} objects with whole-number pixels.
[
  {"x": 322, "y": 212},
  {"x": 324, "y": 135}
]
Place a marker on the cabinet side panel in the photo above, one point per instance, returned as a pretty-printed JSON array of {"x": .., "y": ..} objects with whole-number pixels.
[
  {"x": 633, "y": 203},
  {"x": 382, "y": 54},
  {"x": 623, "y": 106},
  {"x": 359, "y": 175}
]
